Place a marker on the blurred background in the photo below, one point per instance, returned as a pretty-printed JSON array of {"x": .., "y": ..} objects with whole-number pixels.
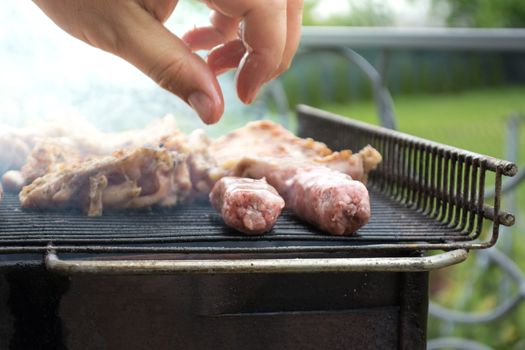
[{"x": 472, "y": 97}]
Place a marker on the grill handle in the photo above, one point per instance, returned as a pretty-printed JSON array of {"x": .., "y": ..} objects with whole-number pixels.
[{"x": 299, "y": 265}]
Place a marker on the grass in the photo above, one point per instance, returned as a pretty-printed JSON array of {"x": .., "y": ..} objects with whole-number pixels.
[
  {"x": 472, "y": 120},
  {"x": 476, "y": 121}
]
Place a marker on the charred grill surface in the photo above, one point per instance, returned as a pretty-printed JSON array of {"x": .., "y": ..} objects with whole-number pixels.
[{"x": 198, "y": 228}]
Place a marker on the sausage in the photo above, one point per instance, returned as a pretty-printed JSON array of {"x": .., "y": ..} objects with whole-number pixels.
[{"x": 247, "y": 205}]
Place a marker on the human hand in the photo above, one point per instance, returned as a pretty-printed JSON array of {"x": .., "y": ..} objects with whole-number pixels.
[{"x": 134, "y": 30}]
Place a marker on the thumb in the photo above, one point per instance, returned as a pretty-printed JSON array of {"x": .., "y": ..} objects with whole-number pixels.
[{"x": 147, "y": 44}]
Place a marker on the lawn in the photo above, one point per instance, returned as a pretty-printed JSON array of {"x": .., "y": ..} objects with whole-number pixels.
[
  {"x": 475, "y": 121},
  {"x": 472, "y": 120}
]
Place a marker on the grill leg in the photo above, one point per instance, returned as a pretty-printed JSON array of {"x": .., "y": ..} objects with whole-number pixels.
[
  {"x": 33, "y": 299},
  {"x": 413, "y": 311}
]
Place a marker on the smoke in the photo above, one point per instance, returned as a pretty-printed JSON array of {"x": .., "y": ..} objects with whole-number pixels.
[{"x": 47, "y": 74}]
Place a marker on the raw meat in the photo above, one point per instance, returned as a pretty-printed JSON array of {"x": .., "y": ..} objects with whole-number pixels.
[
  {"x": 326, "y": 198},
  {"x": 247, "y": 205}
]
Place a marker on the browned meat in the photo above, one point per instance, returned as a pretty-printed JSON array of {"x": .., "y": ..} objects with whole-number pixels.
[
  {"x": 265, "y": 139},
  {"x": 200, "y": 162},
  {"x": 324, "y": 197},
  {"x": 248, "y": 205},
  {"x": 81, "y": 138},
  {"x": 134, "y": 179}
]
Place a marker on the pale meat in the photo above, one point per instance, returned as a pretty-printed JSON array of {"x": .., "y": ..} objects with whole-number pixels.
[
  {"x": 48, "y": 155},
  {"x": 80, "y": 137},
  {"x": 200, "y": 162},
  {"x": 326, "y": 198},
  {"x": 247, "y": 205},
  {"x": 265, "y": 139},
  {"x": 136, "y": 179}
]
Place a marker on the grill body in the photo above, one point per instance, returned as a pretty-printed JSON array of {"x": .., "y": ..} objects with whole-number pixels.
[{"x": 379, "y": 310}]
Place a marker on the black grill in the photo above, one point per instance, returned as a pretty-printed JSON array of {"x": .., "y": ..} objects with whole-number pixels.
[
  {"x": 198, "y": 229},
  {"x": 294, "y": 287},
  {"x": 424, "y": 196}
]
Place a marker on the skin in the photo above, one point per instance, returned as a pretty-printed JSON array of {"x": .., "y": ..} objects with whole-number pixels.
[{"x": 258, "y": 37}]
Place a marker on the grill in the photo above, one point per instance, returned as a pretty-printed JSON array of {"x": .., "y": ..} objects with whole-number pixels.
[{"x": 369, "y": 290}]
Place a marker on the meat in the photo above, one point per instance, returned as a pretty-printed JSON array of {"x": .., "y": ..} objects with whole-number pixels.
[
  {"x": 200, "y": 162},
  {"x": 323, "y": 187},
  {"x": 48, "y": 155},
  {"x": 49, "y": 142},
  {"x": 139, "y": 178},
  {"x": 247, "y": 205},
  {"x": 324, "y": 197},
  {"x": 161, "y": 166},
  {"x": 265, "y": 139}
]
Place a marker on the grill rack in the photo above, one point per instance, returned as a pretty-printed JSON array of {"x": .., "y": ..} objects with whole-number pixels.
[
  {"x": 425, "y": 196},
  {"x": 444, "y": 183}
]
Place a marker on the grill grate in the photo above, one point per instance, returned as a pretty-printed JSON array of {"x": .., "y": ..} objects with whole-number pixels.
[
  {"x": 195, "y": 228},
  {"x": 424, "y": 196}
]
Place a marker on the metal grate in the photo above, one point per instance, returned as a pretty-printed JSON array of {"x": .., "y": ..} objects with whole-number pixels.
[
  {"x": 443, "y": 183},
  {"x": 199, "y": 229},
  {"x": 424, "y": 196}
]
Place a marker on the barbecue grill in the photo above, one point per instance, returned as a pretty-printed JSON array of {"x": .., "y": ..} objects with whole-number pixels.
[{"x": 178, "y": 278}]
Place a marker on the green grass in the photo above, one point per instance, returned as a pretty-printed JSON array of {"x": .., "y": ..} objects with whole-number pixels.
[
  {"x": 472, "y": 120},
  {"x": 475, "y": 121}
]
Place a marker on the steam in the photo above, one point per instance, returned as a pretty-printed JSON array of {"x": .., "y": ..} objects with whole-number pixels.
[{"x": 48, "y": 75}]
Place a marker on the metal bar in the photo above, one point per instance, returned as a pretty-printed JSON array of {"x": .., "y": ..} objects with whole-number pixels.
[
  {"x": 508, "y": 168},
  {"x": 464, "y": 39},
  {"x": 138, "y": 267}
]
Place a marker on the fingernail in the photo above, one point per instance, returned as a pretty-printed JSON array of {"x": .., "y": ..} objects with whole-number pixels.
[
  {"x": 202, "y": 104},
  {"x": 252, "y": 94}
]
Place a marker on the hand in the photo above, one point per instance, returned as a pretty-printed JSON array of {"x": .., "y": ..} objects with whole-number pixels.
[
  {"x": 262, "y": 47},
  {"x": 134, "y": 30}
]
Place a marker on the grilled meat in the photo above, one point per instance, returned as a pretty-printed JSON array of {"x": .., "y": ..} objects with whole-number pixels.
[
  {"x": 324, "y": 197},
  {"x": 322, "y": 187},
  {"x": 55, "y": 140},
  {"x": 48, "y": 155},
  {"x": 318, "y": 184},
  {"x": 200, "y": 162},
  {"x": 265, "y": 139},
  {"x": 135, "y": 179},
  {"x": 248, "y": 205}
]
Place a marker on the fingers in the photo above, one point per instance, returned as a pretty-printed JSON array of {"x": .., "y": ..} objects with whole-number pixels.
[
  {"x": 294, "y": 15},
  {"x": 226, "y": 56},
  {"x": 270, "y": 36},
  {"x": 222, "y": 30},
  {"x": 264, "y": 36},
  {"x": 148, "y": 45}
]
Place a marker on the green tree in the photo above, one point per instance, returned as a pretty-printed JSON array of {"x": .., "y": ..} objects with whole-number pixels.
[
  {"x": 361, "y": 13},
  {"x": 486, "y": 13}
]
